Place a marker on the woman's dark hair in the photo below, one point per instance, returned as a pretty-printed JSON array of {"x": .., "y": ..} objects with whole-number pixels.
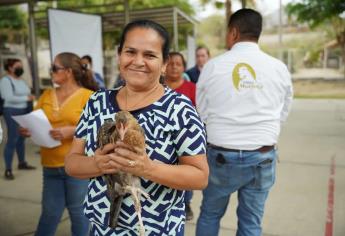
[
  {"x": 10, "y": 62},
  {"x": 82, "y": 75},
  {"x": 172, "y": 54},
  {"x": 88, "y": 58},
  {"x": 147, "y": 24},
  {"x": 248, "y": 22}
]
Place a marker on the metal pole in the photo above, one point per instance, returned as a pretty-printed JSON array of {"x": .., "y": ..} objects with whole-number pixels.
[
  {"x": 243, "y": 3},
  {"x": 325, "y": 56},
  {"x": 280, "y": 31},
  {"x": 175, "y": 30},
  {"x": 33, "y": 49},
  {"x": 194, "y": 31},
  {"x": 126, "y": 6}
]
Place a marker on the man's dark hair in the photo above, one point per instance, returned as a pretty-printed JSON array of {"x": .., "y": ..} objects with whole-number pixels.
[
  {"x": 172, "y": 54},
  {"x": 248, "y": 22},
  {"x": 203, "y": 47},
  {"x": 88, "y": 58},
  {"x": 148, "y": 24}
]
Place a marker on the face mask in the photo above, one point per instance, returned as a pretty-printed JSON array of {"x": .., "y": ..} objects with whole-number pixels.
[{"x": 18, "y": 71}]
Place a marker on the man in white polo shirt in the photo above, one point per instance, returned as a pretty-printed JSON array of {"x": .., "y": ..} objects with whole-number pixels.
[{"x": 243, "y": 96}]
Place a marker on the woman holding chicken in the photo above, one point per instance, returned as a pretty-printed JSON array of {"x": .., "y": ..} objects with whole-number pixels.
[{"x": 174, "y": 158}]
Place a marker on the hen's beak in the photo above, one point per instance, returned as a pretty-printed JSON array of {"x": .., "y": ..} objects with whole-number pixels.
[{"x": 122, "y": 131}]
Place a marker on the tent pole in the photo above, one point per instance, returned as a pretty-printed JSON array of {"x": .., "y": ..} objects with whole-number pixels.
[
  {"x": 33, "y": 50},
  {"x": 176, "y": 48}
]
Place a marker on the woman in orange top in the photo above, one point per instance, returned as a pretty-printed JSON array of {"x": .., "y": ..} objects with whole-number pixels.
[{"x": 63, "y": 107}]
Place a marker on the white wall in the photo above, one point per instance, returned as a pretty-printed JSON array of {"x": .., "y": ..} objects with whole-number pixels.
[{"x": 78, "y": 33}]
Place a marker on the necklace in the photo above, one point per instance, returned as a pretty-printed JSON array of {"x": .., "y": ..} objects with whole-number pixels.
[{"x": 147, "y": 94}]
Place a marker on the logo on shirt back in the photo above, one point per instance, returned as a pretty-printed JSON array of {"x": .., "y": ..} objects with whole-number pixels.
[{"x": 244, "y": 77}]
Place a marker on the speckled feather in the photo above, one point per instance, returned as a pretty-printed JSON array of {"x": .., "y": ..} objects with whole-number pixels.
[{"x": 121, "y": 183}]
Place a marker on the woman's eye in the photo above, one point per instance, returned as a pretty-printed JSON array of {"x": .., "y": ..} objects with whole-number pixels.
[
  {"x": 130, "y": 52},
  {"x": 150, "y": 56}
]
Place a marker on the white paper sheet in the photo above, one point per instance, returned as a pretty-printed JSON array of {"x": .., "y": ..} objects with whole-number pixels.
[{"x": 38, "y": 125}]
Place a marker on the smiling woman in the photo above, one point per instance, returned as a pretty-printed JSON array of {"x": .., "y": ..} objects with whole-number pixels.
[{"x": 174, "y": 156}]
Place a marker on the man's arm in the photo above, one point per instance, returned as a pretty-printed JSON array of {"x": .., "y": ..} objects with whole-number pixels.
[
  {"x": 201, "y": 91},
  {"x": 287, "y": 100}
]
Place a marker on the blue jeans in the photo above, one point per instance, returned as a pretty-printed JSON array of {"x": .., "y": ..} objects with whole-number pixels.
[
  {"x": 60, "y": 191},
  {"x": 14, "y": 140},
  {"x": 252, "y": 174},
  {"x": 188, "y": 196}
]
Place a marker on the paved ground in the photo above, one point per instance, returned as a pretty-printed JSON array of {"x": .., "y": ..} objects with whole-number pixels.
[
  {"x": 319, "y": 73},
  {"x": 300, "y": 203}
]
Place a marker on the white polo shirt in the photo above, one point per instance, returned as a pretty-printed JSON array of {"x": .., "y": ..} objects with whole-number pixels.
[{"x": 242, "y": 96}]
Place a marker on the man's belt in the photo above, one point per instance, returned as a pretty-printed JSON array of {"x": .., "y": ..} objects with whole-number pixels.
[{"x": 262, "y": 149}]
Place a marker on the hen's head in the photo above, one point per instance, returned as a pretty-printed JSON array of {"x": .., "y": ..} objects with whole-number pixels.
[{"x": 121, "y": 122}]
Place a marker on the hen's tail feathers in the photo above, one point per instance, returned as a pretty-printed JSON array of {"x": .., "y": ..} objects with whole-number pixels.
[{"x": 115, "y": 208}]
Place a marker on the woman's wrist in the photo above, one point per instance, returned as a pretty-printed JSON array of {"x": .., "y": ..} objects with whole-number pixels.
[
  {"x": 149, "y": 170},
  {"x": 97, "y": 170}
]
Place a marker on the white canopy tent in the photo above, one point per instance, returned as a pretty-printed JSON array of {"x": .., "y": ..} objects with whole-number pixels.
[{"x": 167, "y": 16}]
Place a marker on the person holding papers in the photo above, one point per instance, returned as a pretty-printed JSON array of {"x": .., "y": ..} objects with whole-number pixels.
[
  {"x": 63, "y": 107},
  {"x": 16, "y": 95}
]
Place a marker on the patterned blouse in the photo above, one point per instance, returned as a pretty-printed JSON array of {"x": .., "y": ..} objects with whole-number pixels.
[{"x": 172, "y": 129}]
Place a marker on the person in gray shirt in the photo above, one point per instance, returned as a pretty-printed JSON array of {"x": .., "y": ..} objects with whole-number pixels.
[{"x": 16, "y": 95}]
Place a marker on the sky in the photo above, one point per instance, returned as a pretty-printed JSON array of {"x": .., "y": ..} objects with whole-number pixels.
[{"x": 264, "y": 6}]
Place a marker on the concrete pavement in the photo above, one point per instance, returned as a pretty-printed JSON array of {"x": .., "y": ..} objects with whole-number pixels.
[
  {"x": 300, "y": 203},
  {"x": 318, "y": 73}
]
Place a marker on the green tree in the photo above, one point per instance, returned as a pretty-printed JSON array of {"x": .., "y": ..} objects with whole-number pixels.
[
  {"x": 214, "y": 39},
  {"x": 227, "y": 4},
  {"x": 320, "y": 13},
  {"x": 181, "y": 4},
  {"x": 111, "y": 37},
  {"x": 12, "y": 18},
  {"x": 12, "y": 25}
]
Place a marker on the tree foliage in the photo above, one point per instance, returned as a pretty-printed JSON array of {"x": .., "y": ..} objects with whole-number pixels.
[
  {"x": 12, "y": 18},
  {"x": 320, "y": 13},
  {"x": 182, "y": 4},
  {"x": 214, "y": 39},
  {"x": 111, "y": 37},
  {"x": 12, "y": 25},
  {"x": 316, "y": 12},
  {"x": 227, "y": 4},
  {"x": 133, "y": 5}
]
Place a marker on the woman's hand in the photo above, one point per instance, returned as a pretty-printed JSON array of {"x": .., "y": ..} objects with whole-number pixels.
[
  {"x": 24, "y": 132},
  {"x": 103, "y": 159},
  {"x": 135, "y": 162},
  {"x": 31, "y": 97},
  {"x": 62, "y": 133}
]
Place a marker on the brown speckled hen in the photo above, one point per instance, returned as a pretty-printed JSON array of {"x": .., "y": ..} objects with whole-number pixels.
[{"x": 127, "y": 129}]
